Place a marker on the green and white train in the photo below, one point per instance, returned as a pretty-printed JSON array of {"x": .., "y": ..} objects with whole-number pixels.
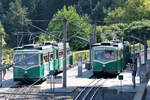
[
  {"x": 35, "y": 61},
  {"x": 110, "y": 57}
]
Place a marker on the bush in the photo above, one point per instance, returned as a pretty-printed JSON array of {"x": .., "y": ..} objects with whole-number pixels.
[{"x": 84, "y": 54}]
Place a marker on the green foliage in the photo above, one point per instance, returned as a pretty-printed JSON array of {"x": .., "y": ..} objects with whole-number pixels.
[
  {"x": 133, "y": 10},
  {"x": 84, "y": 7},
  {"x": 98, "y": 12},
  {"x": 75, "y": 26},
  {"x": 16, "y": 15},
  {"x": 122, "y": 30},
  {"x": 84, "y": 54},
  {"x": 111, "y": 32},
  {"x": 138, "y": 28},
  {"x": 7, "y": 54},
  {"x": 15, "y": 20},
  {"x": 2, "y": 31},
  {"x": 1, "y": 28}
]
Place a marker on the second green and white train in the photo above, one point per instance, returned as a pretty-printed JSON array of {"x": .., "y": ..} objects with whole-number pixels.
[{"x": 110, "y": 57}]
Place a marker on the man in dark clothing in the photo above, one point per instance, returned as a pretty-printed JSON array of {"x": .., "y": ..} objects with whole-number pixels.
[
  {"x": 4, "y": 70},
  {"x": 134, "y": 70}
]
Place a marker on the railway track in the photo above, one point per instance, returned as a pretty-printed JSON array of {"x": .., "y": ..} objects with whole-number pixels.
[
  {"x": 24, "y": 91},
  {"x": 89, "y": 92},
  {"x": 21, "y": 91}
]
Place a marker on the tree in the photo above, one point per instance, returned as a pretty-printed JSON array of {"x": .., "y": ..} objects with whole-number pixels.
[
  {"x": 75, "y": 26},
  {"x": 85, "y": 7},
  {"x": 138, "y": 28},
  {"x": 2, "y": 31},
  {"x": 98, "y": 13},
  {"x": 1, "y": 9},
  {"x": 111, "y": 32},
  {"x": 45, "y": 9},
  {"x": 133, "y": 10},
  {"x": 15, "y": 20},
  {"x": 31, "y": 5}
]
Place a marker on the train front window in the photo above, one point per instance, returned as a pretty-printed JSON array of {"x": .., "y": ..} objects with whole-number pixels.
[
  {"x": 26, "y": 59},
  {"x": 31, "y": 59},
  {"x": 104, "y": 55}
]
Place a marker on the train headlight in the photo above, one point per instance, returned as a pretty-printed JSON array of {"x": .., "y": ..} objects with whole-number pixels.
[
  {"x": 104, "y": 65},
  {"x": 25, "y": 72}
]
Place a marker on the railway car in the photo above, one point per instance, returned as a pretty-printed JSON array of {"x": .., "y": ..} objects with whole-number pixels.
[
  {"x": 110, "y": 57},
  {"x": 34, "y": 61}
]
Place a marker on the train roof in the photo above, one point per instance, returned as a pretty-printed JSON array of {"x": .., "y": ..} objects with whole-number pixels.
[
  {"x": 42, "y": 46},
  {"x": 50, "y": 43},
  {"x": 33, "y": 47},
  {"x": 61, "y": 47},
  {"x": 109, "y": 44},
  {"x": 102, "y": 44},
  {"x": 105, "y": 48}
]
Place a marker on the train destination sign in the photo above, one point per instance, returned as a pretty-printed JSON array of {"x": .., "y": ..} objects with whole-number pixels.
[{"x": 54, "y": 79}]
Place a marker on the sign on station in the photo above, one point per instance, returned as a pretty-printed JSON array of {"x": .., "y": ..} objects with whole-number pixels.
[
  {"x": 54, "y": 79},
  {"x": 120, "y": 77}
]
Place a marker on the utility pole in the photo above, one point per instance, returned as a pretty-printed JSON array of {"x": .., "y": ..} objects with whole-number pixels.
[
  {"x": 91, "y": 6},
  {"x": 94, "y": 32},
  {"x": 1, "y": 35},
  {"x": 64, "y": 63},
  {"x": 145, "y": 49},
  {"x": 93, "y": 39}
]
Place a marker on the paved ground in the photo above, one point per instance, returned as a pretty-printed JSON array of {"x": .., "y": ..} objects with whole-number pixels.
[
  {"x": 74, "y": 81},
  {"x": 147, "y": 96}
]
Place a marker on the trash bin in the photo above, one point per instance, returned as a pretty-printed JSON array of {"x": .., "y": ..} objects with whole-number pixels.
[
  {"x": 87, "y": 66},
  {"x": 80, "y": 66}
]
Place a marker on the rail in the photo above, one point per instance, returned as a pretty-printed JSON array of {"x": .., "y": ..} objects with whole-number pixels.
[
  {"x": 26, "y": 92},
  {"x": 88, "y": 91},
  {"x": 140, "y": 92},
  {"x": 94, "y": 94}
]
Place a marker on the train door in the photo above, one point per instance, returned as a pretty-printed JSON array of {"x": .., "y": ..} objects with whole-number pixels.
[
  {"x": 56, "y": 60},
  {"x": 69, "y": 54},
  {"x": 119, "y": 60},
  {"x": 46, "y": 64},
  {"x": 61, "y": 60},
  {"x": 122, "y": 60},
  {"x": 51, "y": 61}
]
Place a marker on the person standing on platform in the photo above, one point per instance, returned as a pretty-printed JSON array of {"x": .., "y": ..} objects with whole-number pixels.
[
  {"x": 4, "y": 70},
  {"x": 138, "y": 60},
  {"x": 134, "y": 70}
]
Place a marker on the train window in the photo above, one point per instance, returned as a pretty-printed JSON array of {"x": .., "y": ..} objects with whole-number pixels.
[
  {"x": 56, "y": 54},
  {"x": 41, "y": 58},
  {"x": 26, "y": 59},
  {"x": 68, "y": 52},
  {"x": 19, "y": 59},
  {"x": 32, "y": 59},
  {"x": 104, "y": 55},
  {"x": 99, "y": 54},
  {"x": 60, "y": 54},
  {"x": 51, "y": 57},
  {"x": 118, "y": 54},
  {"x": 46, "y": 58},
  {"x": 109, "y": 55}
]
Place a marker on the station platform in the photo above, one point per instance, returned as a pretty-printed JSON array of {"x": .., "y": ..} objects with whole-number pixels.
[
  {"x": 74, "y": 81},
  {"x": 147, "y": 96}
]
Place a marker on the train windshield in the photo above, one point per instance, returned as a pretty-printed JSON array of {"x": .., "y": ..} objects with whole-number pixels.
[
  {"x": 26, "y": 59},
  {"x": 104, "y": 55}
]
